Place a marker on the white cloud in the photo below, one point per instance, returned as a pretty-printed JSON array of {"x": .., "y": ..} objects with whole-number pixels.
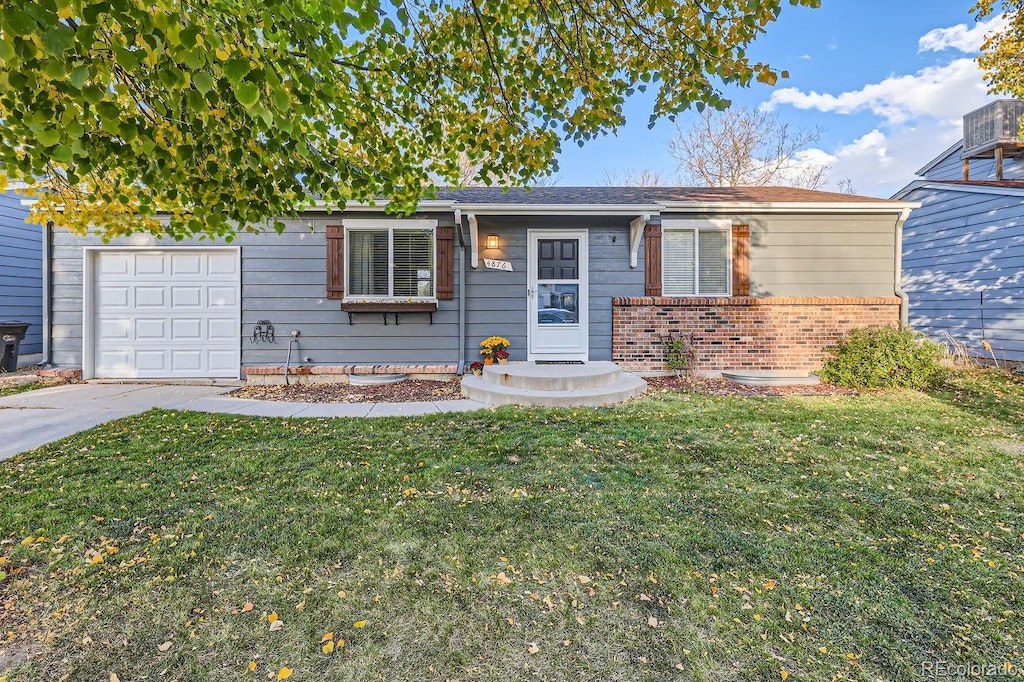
[
  {"x": 960, "y": 37},
  {"x": 936, "y": 92}
]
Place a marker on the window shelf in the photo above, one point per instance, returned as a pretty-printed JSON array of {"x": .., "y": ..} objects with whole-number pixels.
[{"x": 389, "y": 308}]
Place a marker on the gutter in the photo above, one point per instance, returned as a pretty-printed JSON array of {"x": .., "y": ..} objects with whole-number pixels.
[
  {"x": 898, "y": 290},
  {"x": 462, "y": 293},
  {"x": 47, "y": 276}
]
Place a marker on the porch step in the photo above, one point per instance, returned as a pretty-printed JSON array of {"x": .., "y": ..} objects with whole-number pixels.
[
  {"x": 526, "y": 383},
  {"x": 772, "y": 378}
]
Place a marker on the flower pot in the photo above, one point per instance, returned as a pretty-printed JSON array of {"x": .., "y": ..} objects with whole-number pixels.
[
  {"x": 488, "y": 361},
  {"x": 502, "y": 361}
]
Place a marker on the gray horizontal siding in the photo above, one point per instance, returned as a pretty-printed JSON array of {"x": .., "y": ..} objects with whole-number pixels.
[
  {"x": 21, "y": 271},
  {"x": 963, "y": 269},
  {"x": 951, "y": 168}
]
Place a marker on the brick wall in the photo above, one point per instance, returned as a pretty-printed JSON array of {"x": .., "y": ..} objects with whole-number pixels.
[{"x": 739, "y": 333}]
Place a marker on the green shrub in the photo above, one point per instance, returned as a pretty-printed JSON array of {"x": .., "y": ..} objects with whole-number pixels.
[{"x": 883, "y": 357}]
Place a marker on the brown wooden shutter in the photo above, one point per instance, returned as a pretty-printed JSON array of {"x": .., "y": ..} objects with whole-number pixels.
[
  {"x": 335, "y": 261},
  {"x": 741, "y": 260},
  {"x": 445, "y": 256},
  {"x": 652, "y": 260}
]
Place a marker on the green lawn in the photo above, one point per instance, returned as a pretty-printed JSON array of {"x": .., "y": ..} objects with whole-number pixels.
[{"x": 679, "y": 537}]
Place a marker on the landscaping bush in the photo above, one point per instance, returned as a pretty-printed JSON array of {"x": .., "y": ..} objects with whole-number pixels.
[{"x": 883, "y": 357}]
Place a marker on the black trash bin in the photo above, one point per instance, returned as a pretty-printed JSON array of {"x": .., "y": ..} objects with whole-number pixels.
[{"x": 12, "y": 333}]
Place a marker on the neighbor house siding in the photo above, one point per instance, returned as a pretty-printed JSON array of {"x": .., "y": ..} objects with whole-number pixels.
[
  {"x": 963, "y": 268},
  {"x": 952, "y": 168},
  {"x": 283, "y": 281},
  {"x": 21, "y": 271}
]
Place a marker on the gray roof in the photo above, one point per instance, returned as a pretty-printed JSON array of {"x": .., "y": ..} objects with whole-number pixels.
[{"x": 553, "y": 196}]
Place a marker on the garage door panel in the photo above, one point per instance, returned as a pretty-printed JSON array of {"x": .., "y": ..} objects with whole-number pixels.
[
  {"x": 150, "y": 329},
  {"x": 222, "y": 265},
  {"x": 187, "y": 329},
  {"x": 186, "y": 297},
  {"x": 150, "y": 297},
  {"x": 187, "y": 264},
  {"x": 158, "y": 314},
  {"x": 223, "y": 297},
  {"x": 116, "y": 329},
  {"x": 111, "y": 297},
  {"x": 147, "y": 264}
]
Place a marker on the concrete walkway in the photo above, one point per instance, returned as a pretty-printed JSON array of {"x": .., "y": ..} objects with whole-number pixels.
[{"x": 29, "y": 420}]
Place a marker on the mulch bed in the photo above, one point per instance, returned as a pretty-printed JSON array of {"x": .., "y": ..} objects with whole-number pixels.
[
  {"x": 725, "y": 387},
  {"x": 434, "y": 391}
]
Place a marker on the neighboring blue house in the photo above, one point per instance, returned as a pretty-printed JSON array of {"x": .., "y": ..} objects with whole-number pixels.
[
  {"x": 963, "y": 249},
  {"x": 21, "y": 272}
]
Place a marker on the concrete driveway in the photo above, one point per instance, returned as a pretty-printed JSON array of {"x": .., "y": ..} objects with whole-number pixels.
[{"x": 28, "y": 420}]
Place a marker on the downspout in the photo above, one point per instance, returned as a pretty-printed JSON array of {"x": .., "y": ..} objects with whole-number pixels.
[
  {"x": 47, "y": 268},
  {"x": 462, "y": 294},
  {"x": 904, "y": 299}
]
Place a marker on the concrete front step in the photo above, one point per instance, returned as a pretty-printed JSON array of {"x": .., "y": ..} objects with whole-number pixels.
[
  {"x": 534, "y": 377},
  {"x": 771, "y": 378},
  {"x": 625, "y": 387}
]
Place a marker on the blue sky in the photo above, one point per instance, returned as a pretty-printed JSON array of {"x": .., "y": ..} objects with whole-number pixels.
[{"x": 887, "y": 81}]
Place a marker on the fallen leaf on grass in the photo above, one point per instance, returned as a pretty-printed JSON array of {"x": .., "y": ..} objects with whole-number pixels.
[
  {"x": 272, "y": 617},
  {"x": 533, "y": 648},
  {"x": 359, "y": 624},
  {"x": 783, "y": 674},
  {"x": 276, "y": 625},
  {"x": 652, "y": 621},
  {"x": 252, "y": 666},
  {"x": 284, "y": 673},
  {"x": 328, "y": 647},
  {"x": 326, "y": 638},
  {"x": 583, "y": 579},
  {"x": 114, "y": 677},
  {"x": 247, "y": 607},
  {"x": 162, "y": 648}
]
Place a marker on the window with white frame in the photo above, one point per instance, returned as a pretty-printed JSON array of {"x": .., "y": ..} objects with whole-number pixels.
[
  {"x": 695, "y": 257},
  {"x": 389, "y": 259}
]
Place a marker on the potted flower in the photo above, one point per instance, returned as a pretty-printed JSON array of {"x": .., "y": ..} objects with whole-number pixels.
[
  {"x": 477, "y": 368},
  {"x": 501, "y": 356},
  {"x": 491, "y": 346}
]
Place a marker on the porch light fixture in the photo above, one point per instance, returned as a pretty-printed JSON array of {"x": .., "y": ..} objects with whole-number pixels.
[{"x": 492, "y": 242}]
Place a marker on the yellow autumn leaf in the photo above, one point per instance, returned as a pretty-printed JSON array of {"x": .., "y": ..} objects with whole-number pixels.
[
  {"x": 340, "y": 643},
  {"x": 783, "y": 674},
  {"x": 28, "y": 541},
  {"x": 252, "y": 666},
  {"x": 326, "y": 638},
  {"x": 272, "y": 617},
  {"x": 284, "y": 673},
  {"x": 770, "y": 585},
  {"x": 328, "y": 647},
  {"x": 97, "y": 559},
  {"x": 359, "y": 624}
]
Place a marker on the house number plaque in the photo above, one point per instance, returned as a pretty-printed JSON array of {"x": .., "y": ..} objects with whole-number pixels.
[{"x": 498, "y": 265}]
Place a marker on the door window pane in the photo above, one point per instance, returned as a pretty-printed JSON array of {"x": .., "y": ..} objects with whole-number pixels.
[
  {"x": 558, "y": 304},
  {"x": 558, "y": 259}
]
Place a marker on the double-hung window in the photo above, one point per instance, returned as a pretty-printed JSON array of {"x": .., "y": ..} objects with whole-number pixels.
[
  {"x": 695, "y": 257},
  {"x": 390, "y": 260}
]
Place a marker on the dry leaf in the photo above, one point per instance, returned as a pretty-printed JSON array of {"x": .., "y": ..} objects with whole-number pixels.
[
  {"x": 770, "y": 585},
  {"x": 328, "y": 647},
  {"x": 284, "y": 673},
  {"x": 583, "y": 579},
  {"x": 359, "y": 624},
  {"x": 502, "y": 578},
  {"x": 329, "y": 636},
  {"x": 783, "y": 674},
  {"x": 97, "y": 559},
  {"x": 252, "y": 666},
  {"x": 533, "y": 648},
  {"x": 165, "y": 646},
  {"x": 276, "y": 625},
  {"x": 114, "y": 677},
  {"x": 272, "y": 617},
  {"x": 652, "y": 621},
  {"x": 248, "y": 607}
]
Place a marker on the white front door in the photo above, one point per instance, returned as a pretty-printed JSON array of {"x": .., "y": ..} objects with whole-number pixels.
[
  {"x": 160, "y": 314},
  {"x": 557, "y": 295}
]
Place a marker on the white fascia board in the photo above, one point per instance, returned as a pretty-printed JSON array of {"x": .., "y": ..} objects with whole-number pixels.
[
  {"x": 968, "y": 189},
  {"x": 907, "y": 189},
  {"x": 883, "y": 206},
  {"x": 560, "y": 209}
]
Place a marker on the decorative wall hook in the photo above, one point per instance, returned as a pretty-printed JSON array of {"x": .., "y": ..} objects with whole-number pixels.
[{"x": 262, "y": 332}]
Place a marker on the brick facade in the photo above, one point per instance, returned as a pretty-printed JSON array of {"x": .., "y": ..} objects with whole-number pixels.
[{"x": 741, "y": 333}]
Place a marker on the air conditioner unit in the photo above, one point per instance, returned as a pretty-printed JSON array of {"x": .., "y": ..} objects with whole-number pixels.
[{"x": 994, "y": 125}]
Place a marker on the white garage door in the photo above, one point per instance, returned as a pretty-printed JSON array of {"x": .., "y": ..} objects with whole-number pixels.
[{"x": 166, "y": 314}]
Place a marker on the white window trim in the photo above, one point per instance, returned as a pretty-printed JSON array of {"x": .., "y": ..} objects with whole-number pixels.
[
  {"x": 371, "y": 225},
  {"x": 699, "y": 225}
]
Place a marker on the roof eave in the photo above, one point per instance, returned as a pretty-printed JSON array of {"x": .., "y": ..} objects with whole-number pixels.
[{"x": 882, "y": 206}]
